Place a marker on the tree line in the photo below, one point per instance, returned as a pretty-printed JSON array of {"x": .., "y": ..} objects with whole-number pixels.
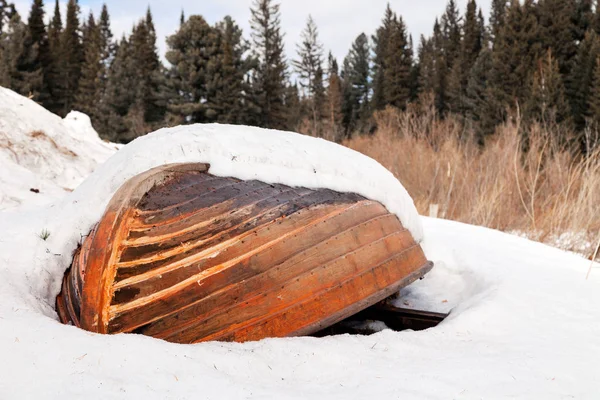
[{"x": 539, "y": 60}]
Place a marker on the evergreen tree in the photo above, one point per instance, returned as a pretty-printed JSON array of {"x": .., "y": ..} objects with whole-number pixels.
[
  {"x": 596, "y": 21},
  {"x": 557, "y": 31},
  {"x": 190, "y": 51},
  {"x": 594, "y": 108},
  {"x": 37, "y": 44},
  {"x": 7, "y": 11},
  {"x": 149, "y": 109},
  {"x": 440, "y": 70},
  {"x": 398, "y": 64},
  {"x": 381, "y": 44},
  {"x": 72, "y": 54},
  {"x": 448, "y": 64},
  {"x": 480, "y": 105},
  {"x": 426, "y": 67},
  {"x": 89, "y": 93},
  {"x": 334, "y": 97},
  {"x": 547, "y": 102},
  {"x": 119, "y": 94},
  {"x": 310, "y": 57},
  {"x": 53, "y": 74},
  {"x": 231, "y": 103},
  {"x": 497, "y": 18},
  {"x": 270, "y": 78},
  {"x": 310, "y": 72},
  {"x": 414, "y": 87},
  {"x": 583, "y": 19},
  {"x": 16, "y": 56},
  {"x": 485, "y": 36},
  {"x": 582, "y": 78},
  {"x": 356, "y": 84},
  {"x": 470, "y": 48},
  {"x": 106, "y": 37},
  {"x": 450, "y": 25},
  {"x": 516, "y": 51}
]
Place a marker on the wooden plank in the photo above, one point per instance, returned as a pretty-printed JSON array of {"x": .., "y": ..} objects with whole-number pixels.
[
  {"x": 225, "y": 191},
  {"x": 237, "y": 204},
  {"x": 100, "y": 270},
  {"x": 153, "y": 304},
  {"x": 309, "y": 286},
  {"x": 263, "y": 271},
  {"x": 356, "y": 293}
]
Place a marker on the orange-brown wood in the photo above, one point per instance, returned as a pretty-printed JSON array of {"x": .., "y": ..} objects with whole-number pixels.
[{"x": 186, "y": 256}]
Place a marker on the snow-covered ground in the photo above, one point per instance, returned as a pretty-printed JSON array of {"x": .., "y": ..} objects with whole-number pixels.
[
  {"x": 524, "y": 322},
  {"x": 43, "y": 152}
]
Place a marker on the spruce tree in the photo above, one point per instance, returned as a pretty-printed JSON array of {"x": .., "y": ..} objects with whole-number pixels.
[
  {"x": 441, "y": 69},
  {"x": 7, "y": 10},
  {"x": 53, "y": 75},
  {"x": 381, "y": 41},
  {"x": 310, "y": 56},
  {"x": 106, "y": 37},
  {"x": 582, "y": 78},
  {"x": 356, "y": 90},
  {"x": 449, "y": 53},
  {"x": 480, "y": 105},
  {"x": 270, "y": 78},
  {"x": 594, "y": 107},
  {"x": 398, "y": 63},
  {"x": 583, "y": 18},
  {"x": 149, "y": 109},
  {"x": 497, "y": 18},
  {"x": 119, "y": 95},
  {"x": 89, "y": 92},
  {"x": 426, "y": 66},
  {"x": 37, "y": 44},
  {"x": 293, "y": 107},
  {"x": 310, "y": 72},
  {"x": 557, "y": 32},
  {"x": 334, "y": 98},
  {"x": 414, "y": 72},
  {"x": 547, "y": 102},
  {"x": 72, "y": 53},
  {"x": 318, "y": 101},
  {"x": 515, "y": 53},
  {"x": 230, "y": 101},
  {"x": 16, "y": 57},
  {"x": 596, "y": 20},
  {"x": 470, "y": 47},
  {"x": 450, "y": 26},
  {"x": 190, "y": 51}
]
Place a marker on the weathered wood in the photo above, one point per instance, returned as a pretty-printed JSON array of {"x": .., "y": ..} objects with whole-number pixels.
[
  {"x": 396, "y": 318},
  {"x": 186, "y": 256}
]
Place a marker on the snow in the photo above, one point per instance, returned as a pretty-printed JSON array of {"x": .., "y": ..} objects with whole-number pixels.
[
  {"x": 41, "y": 151},
  {"x": 524, "y": 322}
]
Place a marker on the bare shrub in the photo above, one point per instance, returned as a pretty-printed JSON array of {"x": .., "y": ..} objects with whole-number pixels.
[{"x": 539, "y": 189}]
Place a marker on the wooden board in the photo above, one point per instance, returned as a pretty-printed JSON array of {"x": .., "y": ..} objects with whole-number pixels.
[{"x": 185, "y": 256}]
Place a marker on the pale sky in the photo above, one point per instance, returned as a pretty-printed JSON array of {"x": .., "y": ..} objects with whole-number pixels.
[{"x": 339, "y": 21}]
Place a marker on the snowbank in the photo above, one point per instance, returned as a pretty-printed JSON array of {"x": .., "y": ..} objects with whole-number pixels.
[
  {"x": 41, "y": 151},
  {"x": 524, "y": 321},
  {"x": 524, "y": 324}
]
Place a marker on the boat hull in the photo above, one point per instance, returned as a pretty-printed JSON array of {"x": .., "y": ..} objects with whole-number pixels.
[{"x": 185, "y": 256}]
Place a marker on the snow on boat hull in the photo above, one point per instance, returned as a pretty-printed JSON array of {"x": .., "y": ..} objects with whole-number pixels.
[{"x": 187, "y": 257}]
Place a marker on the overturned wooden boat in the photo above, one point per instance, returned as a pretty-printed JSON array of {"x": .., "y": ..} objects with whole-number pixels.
[{"x": 186, "y": 256}]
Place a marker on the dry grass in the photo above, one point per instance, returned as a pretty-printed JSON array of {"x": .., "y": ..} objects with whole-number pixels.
[{"x": 545, "y": 193}]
